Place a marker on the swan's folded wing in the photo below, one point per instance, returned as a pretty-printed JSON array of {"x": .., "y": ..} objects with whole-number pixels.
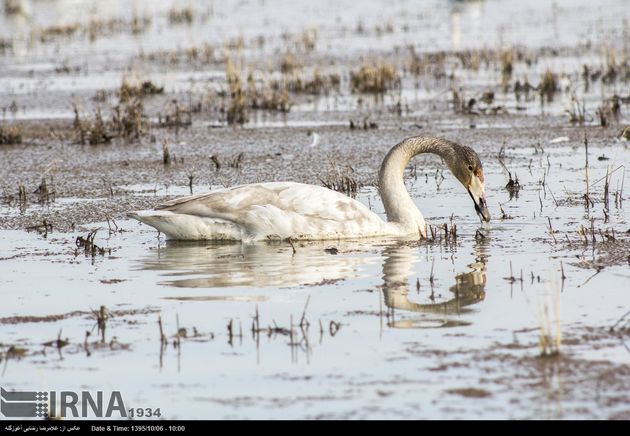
[
  {"x": 322, "y": 203},
  {"x": 229, "y": 203},
  {"x": 167, "y": 205},
  {"x": 269, "y": 202}
]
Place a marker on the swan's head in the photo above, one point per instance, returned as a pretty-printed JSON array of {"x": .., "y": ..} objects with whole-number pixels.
[{"x": 469, "y": 171}]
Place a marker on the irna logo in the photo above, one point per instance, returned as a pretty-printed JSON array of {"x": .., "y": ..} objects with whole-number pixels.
[{"x": 63, "y": 404}]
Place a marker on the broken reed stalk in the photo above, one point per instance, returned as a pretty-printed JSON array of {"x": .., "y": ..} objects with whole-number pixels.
[
  {"x": 303, "y": 321},
  {"x": 215, "y": 160},
  {"x": 569, "y": 240},
  {"x": 43, "y": 228},
  {"x": 553, "y": 196},
  {"x": 291, "y": 341},
  {"x": 230, "y": 332},
  {"x": 513, "y": 279},
  {"x": 166, "y": 154},
  {"x": 623, "y": 177},
  {"x": 587, "y": 196},
  {"x": 256, "y": 323},
  {"x": 178, "y": 337},
  {"x": 89, "y": 246},
  {"x": 504, "y": 215},
  {"x": 191, "y": 178},
  {"x": 21, "y": 194},
  {"x": 606, "y": 195},
  {"x": 292, "y": 245},
  {"x": 551, "y": 231},
  {"x": 101, "y": 320},
  {"x": 163, "y": 339},
  {"x": 85, "y": 343},
  {"x": 453, "y": 228},
  {"x": 333, "y": 327},
  {"x": 619, "y": 321},
  {"x": 111, "y": 222}
]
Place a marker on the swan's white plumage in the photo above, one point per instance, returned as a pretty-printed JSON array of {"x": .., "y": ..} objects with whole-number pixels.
[
  {"x": 276, "y": 210},
  {"x": 189, "y": 227},
  {"x": 281, "y": 210}
]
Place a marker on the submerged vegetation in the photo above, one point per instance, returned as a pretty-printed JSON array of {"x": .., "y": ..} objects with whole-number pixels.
[
  {"x": 376, "y": 79},
  {"x": 548, "y": 86},
  {"x": 186, "y": 98},
  {"x": 10, "y": 134},
  {"x": 296, "y": 74},
  {"x": 128, "y": 118},
  {"x": 181, "y": 16},
  {"x": 129, "y": 90},
  {"x": 93, "y": 29},
  {"x": 237, "y": 103}
]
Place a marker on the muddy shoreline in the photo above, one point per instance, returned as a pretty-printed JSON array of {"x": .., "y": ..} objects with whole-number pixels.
[
  {"x": 104, "y": 173},
  {"x": 111, "y": 107}
]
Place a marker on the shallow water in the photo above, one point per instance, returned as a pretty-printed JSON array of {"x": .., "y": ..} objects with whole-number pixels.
[
  {"x": 78, "y": 65},
  {"x": 439, "y": 329},
  {"x": 400, "y": 350}
]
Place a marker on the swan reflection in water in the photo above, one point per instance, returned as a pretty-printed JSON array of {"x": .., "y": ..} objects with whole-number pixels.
[
  {"x": 212, "y": 265},
  {"x": 216, "y": 265},
  {"x": 442, "y": 310}
]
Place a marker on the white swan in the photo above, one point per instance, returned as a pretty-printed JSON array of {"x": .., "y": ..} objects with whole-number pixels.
[{"x": 281, "y": 210}]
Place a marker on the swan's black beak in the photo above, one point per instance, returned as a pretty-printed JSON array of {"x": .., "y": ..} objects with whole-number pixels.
[
  {"x": 476, "y": 191},
  {"x": 481, "y": 207}
]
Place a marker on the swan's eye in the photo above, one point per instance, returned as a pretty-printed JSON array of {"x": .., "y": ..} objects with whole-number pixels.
[{"x": 470, "y": 167}]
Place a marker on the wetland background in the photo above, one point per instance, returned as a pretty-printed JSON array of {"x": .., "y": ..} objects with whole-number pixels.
[{"x": 115, "y": 106}]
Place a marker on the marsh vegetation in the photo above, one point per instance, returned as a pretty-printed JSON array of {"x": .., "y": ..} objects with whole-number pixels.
[{"x": 525, "y": 316}]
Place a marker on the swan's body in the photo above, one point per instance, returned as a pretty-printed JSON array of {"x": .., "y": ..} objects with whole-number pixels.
[
  {"x": 281, "y": 210},
  {"x": 276, "y": 210}
]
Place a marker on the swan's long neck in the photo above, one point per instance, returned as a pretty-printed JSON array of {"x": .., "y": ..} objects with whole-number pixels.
[{"x": 399, "y": 207}]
